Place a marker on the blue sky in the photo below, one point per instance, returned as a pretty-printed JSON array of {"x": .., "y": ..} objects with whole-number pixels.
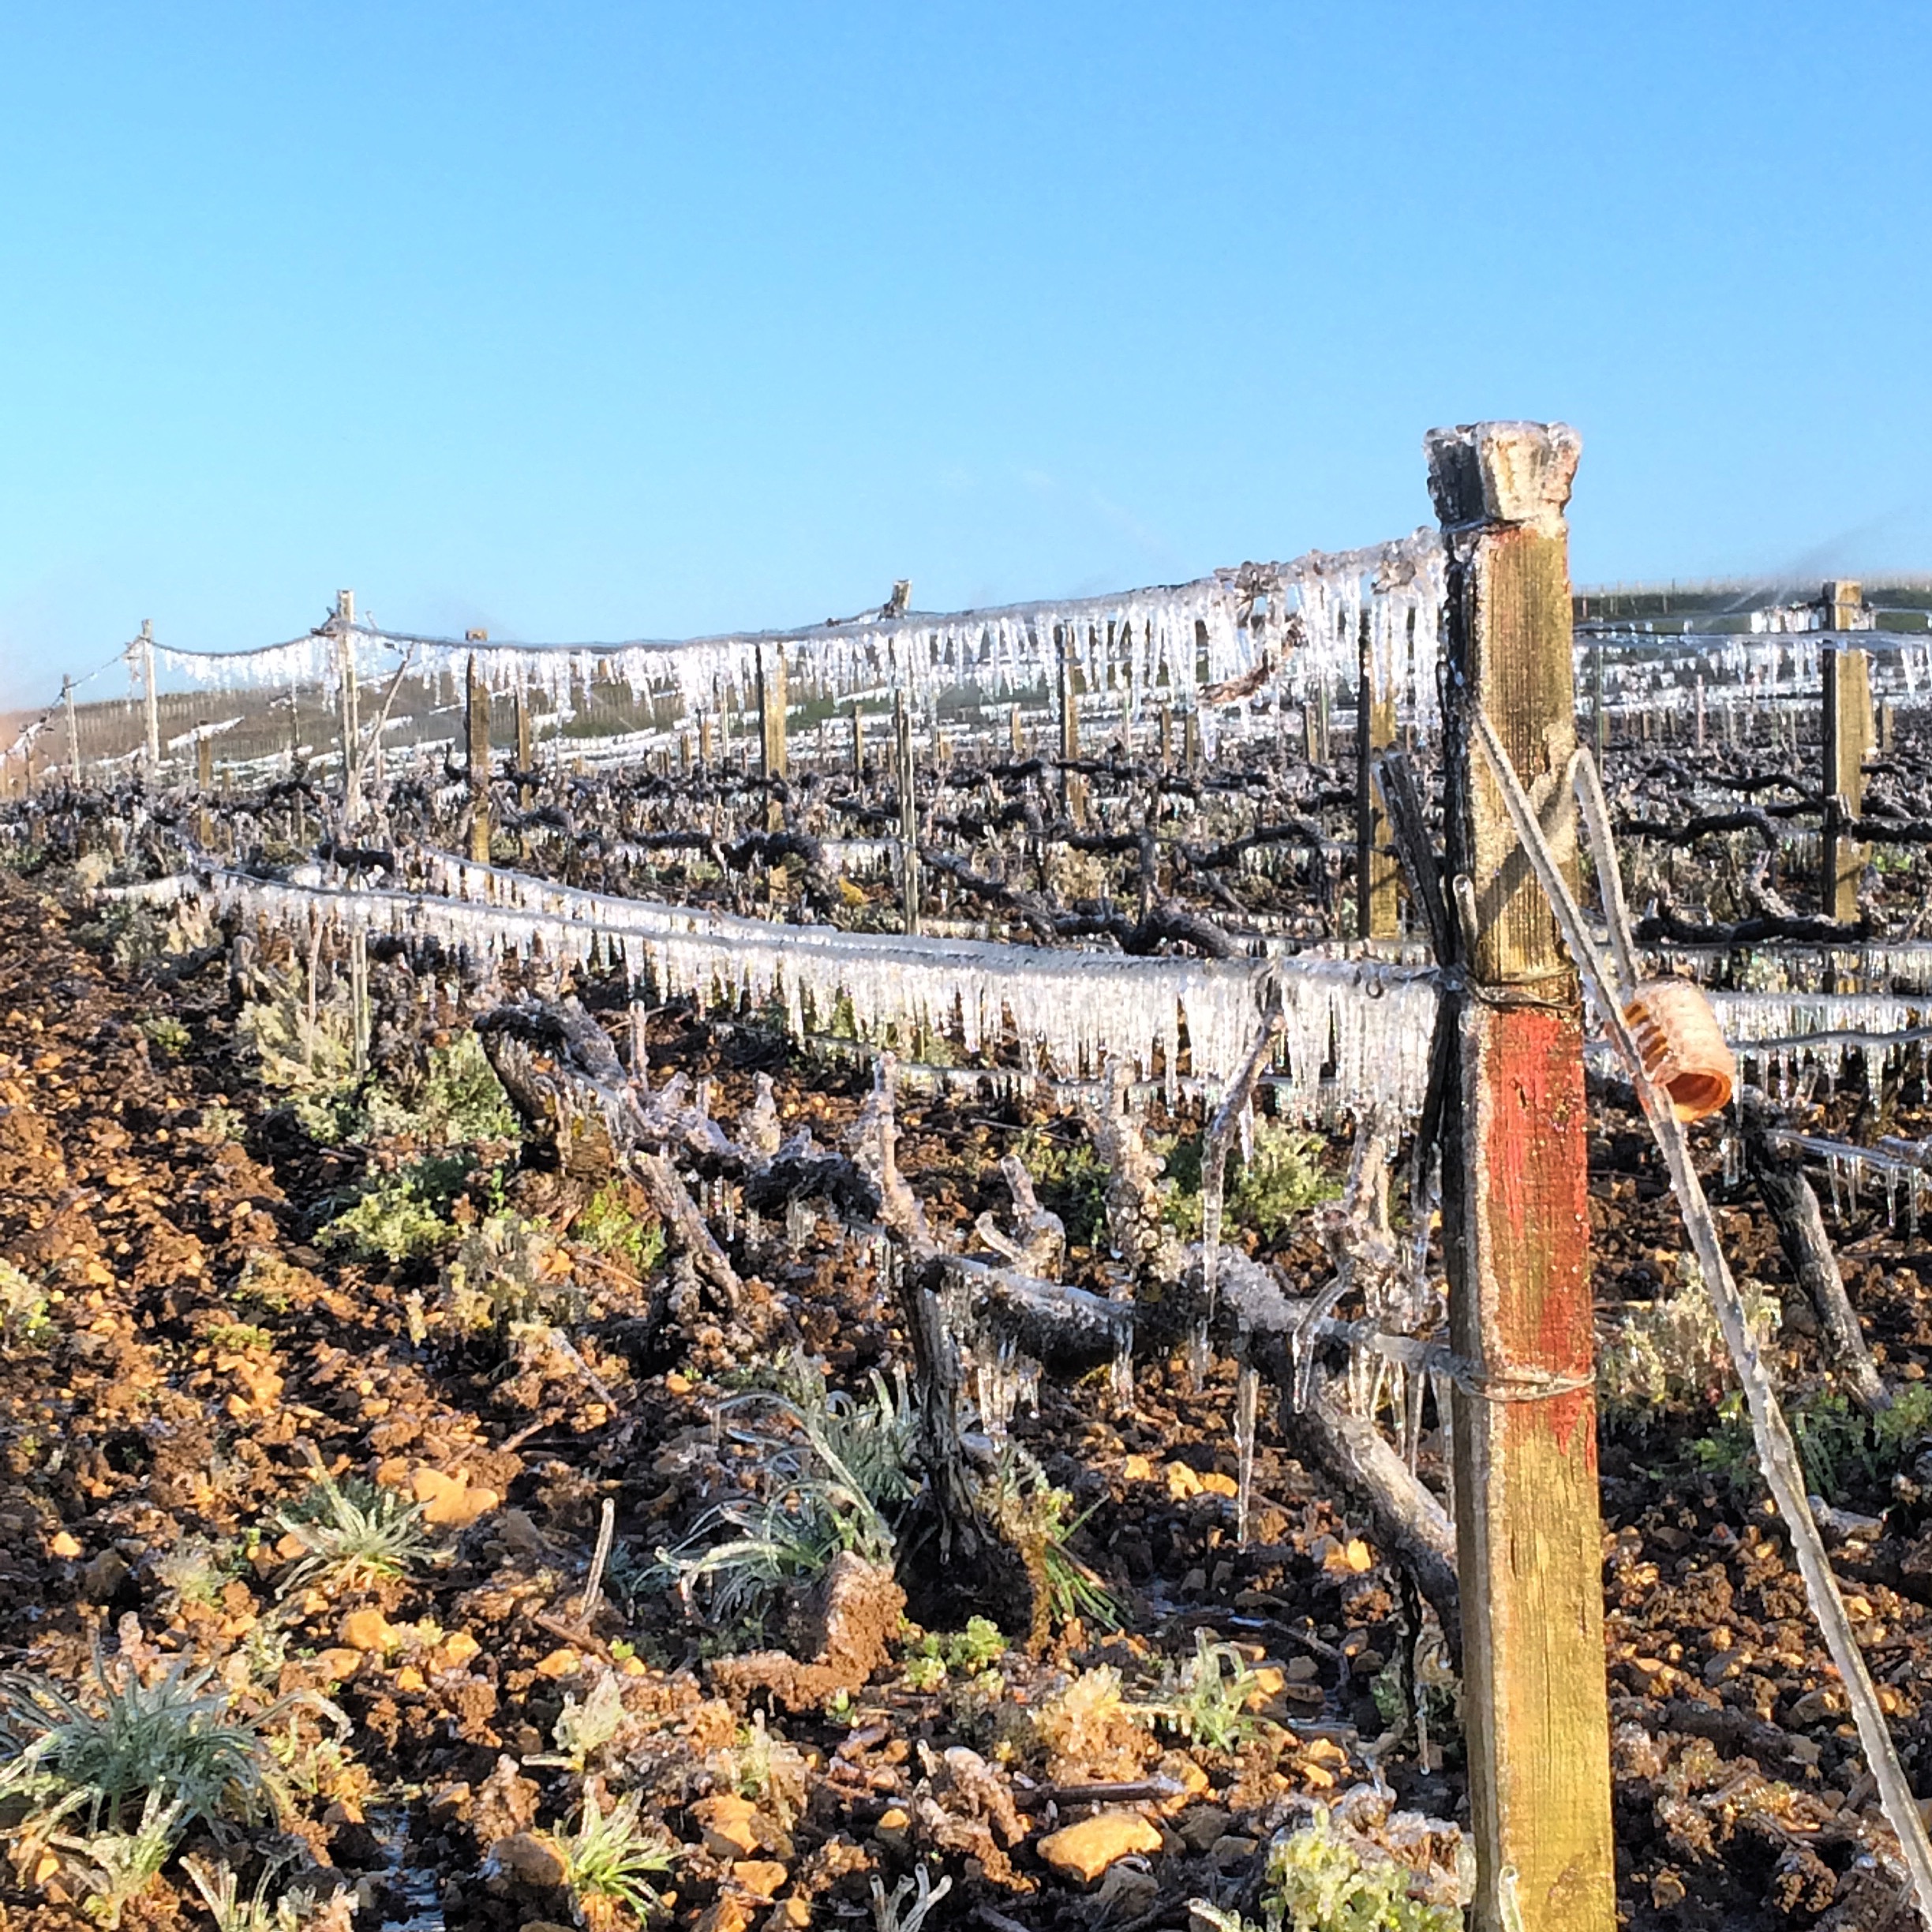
[{"x": 596, "y": 320}]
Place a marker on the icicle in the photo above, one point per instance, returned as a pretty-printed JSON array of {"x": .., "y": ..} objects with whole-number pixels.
[
  {"x": 1121, "y": 1373},
  {"x": 1247, "y": 1408}
]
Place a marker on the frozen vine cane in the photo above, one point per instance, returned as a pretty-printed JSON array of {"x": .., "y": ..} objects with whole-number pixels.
[{"x": 1775, "y": 1452}]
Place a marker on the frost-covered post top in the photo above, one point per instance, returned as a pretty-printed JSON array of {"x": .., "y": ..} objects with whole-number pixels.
[{"x": 1503, "y": 473}]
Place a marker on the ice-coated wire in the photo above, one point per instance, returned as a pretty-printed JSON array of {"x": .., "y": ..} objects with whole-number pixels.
[{"x": 1776, "y": 1453}]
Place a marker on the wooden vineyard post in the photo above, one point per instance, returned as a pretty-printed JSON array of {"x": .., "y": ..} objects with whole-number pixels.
[
  {"x": 1848, "y": 743},
  {"x": 1167, "y": 737},
  {"x": 1016, "y": 740},
  {"x": 204, "y": 783},
  {"x": 476, "y": 744},
  {"x": 704, "y": 740},
  {"x": 773, "y": 755},
  {"x": 73, "y": 730},
  {"x": 1515, "y": 1229},
  {"x": 1074, "y": 785},
  {"x": 909, "y": 809},
  {"x": 344, "y": 623},
  {"x": 150, "y": 700},
  {"x": 524, "y": 752},
  {"x": 1377, "y": 910},
  {"x": 1599, "y": 719},
  {"x": 1190, "y": 736}
]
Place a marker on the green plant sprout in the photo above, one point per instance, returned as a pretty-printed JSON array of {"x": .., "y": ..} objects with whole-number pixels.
[
  {"x": 353, "y": 1534},
  {"x": 613, "y": 1855}
]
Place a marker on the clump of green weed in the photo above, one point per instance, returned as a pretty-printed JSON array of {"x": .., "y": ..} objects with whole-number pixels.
[
  {"x": 609, "y": 1226},
  {"x": 1846, "y": 1454},
  {"x": 238, "y": 1337},
  {"x": 456, "y": 1099},
  {"x": 24, "y": 1322},
  {"x": 1318, "y": 1879},
  {"x": 1034, "y": 1516},
  {"x": 1668, "y": 1353},
  {"x": 613, "y": 1855},
  {"x": 353, "y": 1533},
  {"x": 167, "y": 1034},
  {"x": 970, "y": 1651},
  {"x": 176, "y": 1742},
  {"x": 1206, "y": 1700},
  {"x": 1282, "y": 1178},
  {"x": 832, "y": 1470},
  {"x": 508, "y": 1269},
  {"x": 403, "y": 1216}
]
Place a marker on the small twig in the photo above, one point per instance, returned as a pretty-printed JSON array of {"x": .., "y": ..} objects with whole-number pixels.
[{"x": 593, "y": 1583}]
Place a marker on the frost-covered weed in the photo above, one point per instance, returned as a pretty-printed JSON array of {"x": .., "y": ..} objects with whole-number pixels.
[
  {"x": 24, "y": 1319},
  {"x": 118, "y": 1867},
  {"x": 614, "y": 1855},
  {"x": 403, "y": 1216},
  {"x": 1206, "y": 1700},
  {"x": 507, "y": 1269},
  {"x": 831, "y": 1470},
  {"x": 353, "y": 1533},
  {"x": 89, "y": 1752},
  {"x": 1318, "y": 1879},
  {"x": 1652, "y": 1355},
  {"x": 905, "y": 1908}
]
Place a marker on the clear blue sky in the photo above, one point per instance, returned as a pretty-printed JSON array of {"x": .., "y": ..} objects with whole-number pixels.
[{"x": 593, "y": 320}]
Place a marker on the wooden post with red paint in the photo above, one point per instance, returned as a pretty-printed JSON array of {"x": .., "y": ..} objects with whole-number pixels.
[{"x": 1515, "y": 1226}]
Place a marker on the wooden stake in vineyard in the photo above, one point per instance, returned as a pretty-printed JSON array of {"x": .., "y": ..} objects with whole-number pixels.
[
  {"x": 477, "y": 745},
  {"x": 204, "y": 783},
  {"x": 1515, "y": 1229},
  {"x": 904, "y": 777},
  {"x": 1847, "y": 744},
  {"x": 1377, "y": 910},
  {"x": 343, "y": 623}
]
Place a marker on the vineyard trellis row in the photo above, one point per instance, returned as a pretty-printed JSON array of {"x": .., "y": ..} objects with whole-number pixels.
[{"x": 1122, "y": 867}]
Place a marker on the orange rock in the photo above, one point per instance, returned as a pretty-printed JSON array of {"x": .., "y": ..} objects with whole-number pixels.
[
  {"x": 1214, "y": 1483},
  {"x": 762, "y": 1877},
  {"x": 562, "y": 1662},
  {"x": 1137, "y": 1469},
  {"x": 450, "y": 1500},
  {"x": 1182, "y": 1482},
  {"x": 339, "y": 1666},
  {"x": 368, "y": 1630},
  {"x": 456, "y": 1650},
  {"x": 1084, "y": 1850},
  {"x": 730, "y": 1825},
  {"x": 409, "y": 1678},
  {"x": 64, "y": 1545}
]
